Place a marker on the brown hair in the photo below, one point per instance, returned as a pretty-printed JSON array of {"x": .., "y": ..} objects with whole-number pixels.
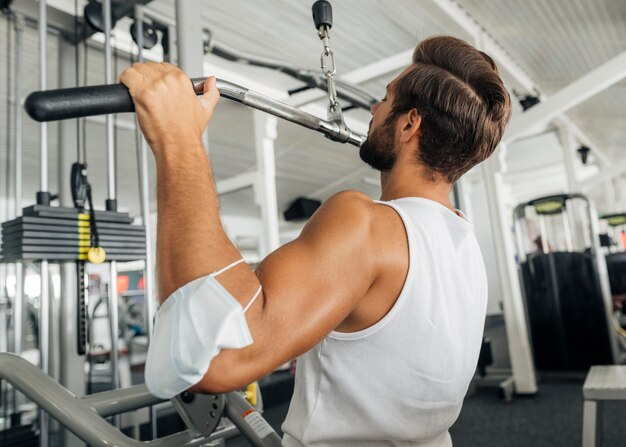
[{"x": 462, "y": 101}]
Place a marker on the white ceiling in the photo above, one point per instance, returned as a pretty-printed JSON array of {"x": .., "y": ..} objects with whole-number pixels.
[{"x": 555, "y": 42}]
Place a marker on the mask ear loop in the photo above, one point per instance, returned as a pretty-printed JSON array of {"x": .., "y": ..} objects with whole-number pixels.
[
  {"x": 256, "y": 295},
  {"x": 251, "y": 302},
  {"x": 220, "y": 271}
]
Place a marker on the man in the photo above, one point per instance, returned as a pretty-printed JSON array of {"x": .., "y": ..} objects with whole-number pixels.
[{"x": 384, "y": 301}]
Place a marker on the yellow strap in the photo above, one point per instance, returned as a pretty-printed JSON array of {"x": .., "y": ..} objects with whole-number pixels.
[{"x": 251, "y": 393}]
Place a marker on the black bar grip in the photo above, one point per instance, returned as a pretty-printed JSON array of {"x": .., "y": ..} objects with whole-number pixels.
[{"x": 62, "y": 104}]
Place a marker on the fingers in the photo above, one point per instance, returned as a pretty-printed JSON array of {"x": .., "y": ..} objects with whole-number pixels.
[
  {"x": 131, "y": 78},
  {"x": 210, "y": 95}
]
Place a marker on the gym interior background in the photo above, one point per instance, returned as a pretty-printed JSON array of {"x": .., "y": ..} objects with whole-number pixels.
[{"x": 549, "y": 209}]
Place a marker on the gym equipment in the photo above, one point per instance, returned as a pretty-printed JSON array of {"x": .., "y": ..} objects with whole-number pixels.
[
  {"x": 85, "y": 417},
  {"x": 78, "y": 102},
  {"x": 613, "y": 242},
  {"x": 43, "y": 198},
  {"x": 564, "y": 283},
  {"x": 143, "y": 175},
  {"x": 69, "y": 236},
  {"x": 301, "y": 208},
  {"x": 616, "y": 256},
  {"x": 53, "y": 105},
  {"x": 323, "y": 19}
]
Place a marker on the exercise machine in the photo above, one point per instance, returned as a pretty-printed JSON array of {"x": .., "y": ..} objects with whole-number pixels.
[
  {"x": 85, "y": 417},
  {"x": 565, "y": 283}
]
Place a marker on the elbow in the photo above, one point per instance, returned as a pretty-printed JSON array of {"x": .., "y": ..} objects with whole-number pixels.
[{"x": 222, "y": 378}]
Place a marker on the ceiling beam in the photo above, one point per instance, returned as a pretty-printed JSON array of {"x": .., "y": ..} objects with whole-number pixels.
[
  {"x": 568, "y": 97},
  {"x": 604, "y": 175},
  {"x": 452, "y": 17},
  {"x": 237, "y": 182}
]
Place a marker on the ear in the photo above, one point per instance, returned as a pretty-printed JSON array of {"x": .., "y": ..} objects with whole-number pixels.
[{"x": 411, "y": 122}]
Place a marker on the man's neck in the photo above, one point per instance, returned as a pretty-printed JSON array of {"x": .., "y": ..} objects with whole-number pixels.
[{"x": 410, "y": 180}]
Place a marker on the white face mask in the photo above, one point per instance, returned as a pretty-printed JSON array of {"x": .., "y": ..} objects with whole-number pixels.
[{"x": 191, "y": 327}]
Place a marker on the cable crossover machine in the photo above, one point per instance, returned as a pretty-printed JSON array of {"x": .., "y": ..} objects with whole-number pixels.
[{"x": 86, "y": 416}]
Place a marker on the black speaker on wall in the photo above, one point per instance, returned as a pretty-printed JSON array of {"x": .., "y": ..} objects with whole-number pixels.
[{"x": 301, "y": 209}]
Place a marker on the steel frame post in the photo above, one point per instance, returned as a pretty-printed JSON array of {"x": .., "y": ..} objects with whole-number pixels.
[
  {"x": 71, "y": 365},
  {"x": 514, "y": 313},
  {"x": 265, "y": 133},
  {"x": 44, "y": 306},
  {"x": 190, "y": 52},
  {"x": 144, "y": 190}
]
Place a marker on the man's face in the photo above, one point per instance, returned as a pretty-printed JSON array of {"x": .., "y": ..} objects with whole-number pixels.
[{"x": 379, "y": 149}]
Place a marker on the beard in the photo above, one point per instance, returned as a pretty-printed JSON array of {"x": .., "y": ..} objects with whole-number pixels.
[{"x": 378, "y": 149}]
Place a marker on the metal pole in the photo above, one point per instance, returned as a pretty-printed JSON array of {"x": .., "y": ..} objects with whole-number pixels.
[
  {"x": 111, "y": 203},
  {"x": 108, "y": 79},
  {"x": 71, "y": 364},
  {"x": 43, "y": 198},
  {"x": 43, "y": 128},
  {"x": 18, "y": 302},
  {"x": 569, "y": 243},
  {"x": 144, "y": 187},
  {"x": 189, "y": 37},
  {"x": 603, "y": 277}
]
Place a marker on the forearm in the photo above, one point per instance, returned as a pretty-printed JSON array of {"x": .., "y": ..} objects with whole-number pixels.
[{"x": 191, "y": 241}]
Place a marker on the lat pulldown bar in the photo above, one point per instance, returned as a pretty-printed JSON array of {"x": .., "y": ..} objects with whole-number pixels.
[{"x": 53, "y": 105}]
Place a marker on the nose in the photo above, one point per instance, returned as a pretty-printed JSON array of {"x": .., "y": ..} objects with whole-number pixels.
[{"x": 374, "y": 108}]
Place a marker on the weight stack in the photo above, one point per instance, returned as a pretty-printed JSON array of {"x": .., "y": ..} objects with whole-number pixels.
[{"x": 64, "y": 234}]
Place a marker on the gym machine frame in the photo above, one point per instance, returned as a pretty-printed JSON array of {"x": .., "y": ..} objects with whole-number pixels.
[
  {"x": 107, "y": 99},
  {"x": 85, "y": 417}
]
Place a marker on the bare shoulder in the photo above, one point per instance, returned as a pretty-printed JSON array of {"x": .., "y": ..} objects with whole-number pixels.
[
  {"x": 348, "y": 212},
  {"x": 351, "y": 218}
]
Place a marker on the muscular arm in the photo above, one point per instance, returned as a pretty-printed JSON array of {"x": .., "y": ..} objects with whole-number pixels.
[{"x": 309, "y": 286}]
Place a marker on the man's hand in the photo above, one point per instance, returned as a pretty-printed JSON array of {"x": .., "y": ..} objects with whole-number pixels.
[{"x": 168, "y": 110}]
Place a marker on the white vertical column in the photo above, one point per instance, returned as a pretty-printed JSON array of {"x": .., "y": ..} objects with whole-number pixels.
[
  {"x": 568, "y": 145},
  {"x": 265, "y": 133},
  {"x": 516, "y": 326},
  {"x": 514, "y": 313},
  {"x": 610, "y": 197},
  {"x": 620, "y": 184},
  {"x": 605, "y": 285}
]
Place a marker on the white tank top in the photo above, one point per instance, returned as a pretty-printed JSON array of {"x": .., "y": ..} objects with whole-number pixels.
[{"x": 401, "y": 382}]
